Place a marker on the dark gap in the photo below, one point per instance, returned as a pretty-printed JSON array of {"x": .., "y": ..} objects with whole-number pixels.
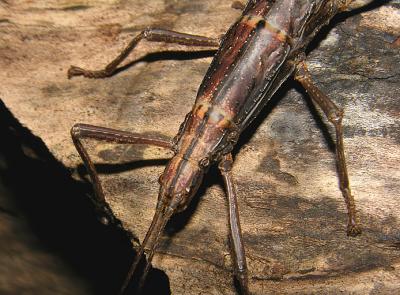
[
  {"x": 339, "y": 18},
  {"x": 179, "y": 220},
  {"x": 61, "y": 216},
  {"x": 271, "y": 104}
]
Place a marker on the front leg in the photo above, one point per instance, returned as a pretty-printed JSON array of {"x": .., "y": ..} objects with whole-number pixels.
[
  {"x": 335, "y": 116},
  {"x": 237, "y": 245},
  {"x": 80, "y": 131}
]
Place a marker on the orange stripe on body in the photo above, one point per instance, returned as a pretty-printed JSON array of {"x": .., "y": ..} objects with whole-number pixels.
[
  {"x": 217, "y": 115},
  {"x": 255, "y": 21}
]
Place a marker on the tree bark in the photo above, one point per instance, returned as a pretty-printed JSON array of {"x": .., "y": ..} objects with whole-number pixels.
[{"x": 292, "y": 213}]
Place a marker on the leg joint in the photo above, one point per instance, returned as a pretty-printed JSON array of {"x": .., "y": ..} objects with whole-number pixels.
[
  {"x": 241, "y": 270},
  {"x": 147, "y": 32},
  {"x": 336, "y": 116},
  {"x": 76, "y": 130},
  {"x": 225, "y": 165}
]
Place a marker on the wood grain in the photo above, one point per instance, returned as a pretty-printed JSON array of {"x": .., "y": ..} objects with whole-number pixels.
[{"x": 293, "y": 217}]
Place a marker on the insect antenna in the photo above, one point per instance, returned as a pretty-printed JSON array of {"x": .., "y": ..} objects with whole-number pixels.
[
  {"x": 148, "y": 263},
  {"x": 160, "y": 219}
]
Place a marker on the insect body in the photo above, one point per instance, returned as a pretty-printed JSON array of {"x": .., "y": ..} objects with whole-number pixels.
[{"x": 258, "y": 53}]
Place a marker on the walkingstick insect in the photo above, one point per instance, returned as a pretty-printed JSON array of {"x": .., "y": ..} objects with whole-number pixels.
[{"x": 262, "y": 49}]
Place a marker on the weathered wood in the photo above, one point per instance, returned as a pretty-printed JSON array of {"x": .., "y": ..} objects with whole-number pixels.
[{"x": 293, "y": 217}]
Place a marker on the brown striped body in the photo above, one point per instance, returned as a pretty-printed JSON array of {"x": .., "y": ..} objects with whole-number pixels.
[
  {"x": 258, "y": 53},
  {"x": 256, "y": 56}
]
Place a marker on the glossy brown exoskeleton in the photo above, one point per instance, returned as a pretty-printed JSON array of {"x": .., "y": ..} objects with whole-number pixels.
[{"x": 258, "y": 53}]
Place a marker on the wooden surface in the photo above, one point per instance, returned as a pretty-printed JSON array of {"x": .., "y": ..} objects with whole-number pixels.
[{"x": 293, "y": 216}]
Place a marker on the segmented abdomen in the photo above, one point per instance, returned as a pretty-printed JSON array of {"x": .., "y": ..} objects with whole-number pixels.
[
  {"x": 244, "y": 74},
  {"x": 248, "y": 59}
]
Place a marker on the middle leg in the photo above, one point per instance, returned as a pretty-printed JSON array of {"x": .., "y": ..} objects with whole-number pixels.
[
  {"x": 154, "y": 35},
  {"x": 237, "y": 245}
]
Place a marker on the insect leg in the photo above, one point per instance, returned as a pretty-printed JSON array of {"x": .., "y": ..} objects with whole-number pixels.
[
  {"x": 154, "y": 35},
  {"x": 335, "y": 116},
  {"x": 237, "y": 245},
  {"x": 80, "y": 131}
]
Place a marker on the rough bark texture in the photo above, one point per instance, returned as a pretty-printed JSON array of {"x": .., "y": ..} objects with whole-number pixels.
[{"x": 293, "y": 216}]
